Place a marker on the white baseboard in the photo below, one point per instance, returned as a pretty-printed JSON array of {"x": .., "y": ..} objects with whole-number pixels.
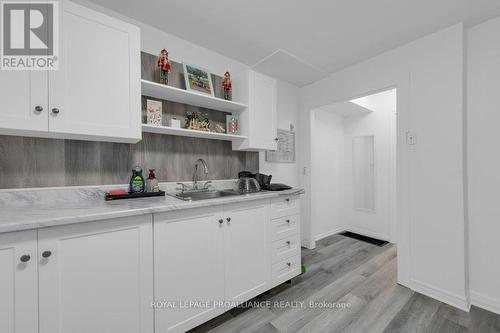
[
  {"x": 441, "y": 295},
  {"x": 485, "y": 302},
  {"x": 330, "y": 233},
  {"x": 368, "y": 233}
]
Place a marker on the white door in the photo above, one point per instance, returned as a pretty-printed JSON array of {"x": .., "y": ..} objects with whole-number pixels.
[
  {"x": 18, "y": 282},
  {"x": 246, "y": 250},
  {"x": 263, "y": 112},
  {"x": 97, "y": 277},
  {"x": 23, "y": 102},
  {"x": 189, "y": 266},
  {"x": 96, "y": 92}
]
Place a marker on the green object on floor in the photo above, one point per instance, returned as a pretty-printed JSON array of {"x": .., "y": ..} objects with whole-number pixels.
[{"x": 303, "y": 267}]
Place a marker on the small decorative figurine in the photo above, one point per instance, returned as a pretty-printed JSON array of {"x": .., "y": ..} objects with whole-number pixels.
[
  {"x": 164, "y": 65},
  {"x": 227, "y": 85}
]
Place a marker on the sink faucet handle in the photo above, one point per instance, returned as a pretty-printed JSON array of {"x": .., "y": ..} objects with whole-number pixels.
[
  {"x": 207, "y": 184},
  {"x": 183, "y": 187}
]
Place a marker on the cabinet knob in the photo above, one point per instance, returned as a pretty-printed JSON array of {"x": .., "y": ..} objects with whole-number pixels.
[
  {"x": 46, "y": 254},
  {"x": 38, "y": 108},
  {"x": 287, "y": 199},
  {"x": 221, "y": 221},
  {"x": 55, "y": 111},
  {"x": 287, "y": 242},
  {"x": 289, "y": 264},
  {"x": 228, "y": 219},
  {"x": 288, "y": 221},
  {"x": 25, "y": 258},
  {"x": 276, "y": 139}
]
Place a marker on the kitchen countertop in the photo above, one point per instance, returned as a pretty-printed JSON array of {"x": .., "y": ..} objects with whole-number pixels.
[{"x": 24, "y": 211}]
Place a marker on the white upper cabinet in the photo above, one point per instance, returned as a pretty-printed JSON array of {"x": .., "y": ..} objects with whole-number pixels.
[
  {"x": 18, "y": 282},
  {"x": 96, "y": 93},
  {"x": 259, "y": 121},
  {"x": 23, "y": 102}
]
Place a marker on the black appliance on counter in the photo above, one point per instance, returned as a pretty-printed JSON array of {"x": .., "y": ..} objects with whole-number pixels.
[{"x": 264, "y": 181}]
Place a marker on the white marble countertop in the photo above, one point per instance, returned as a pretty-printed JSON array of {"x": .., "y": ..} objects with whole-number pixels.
[{"x": 33, "y": 210}]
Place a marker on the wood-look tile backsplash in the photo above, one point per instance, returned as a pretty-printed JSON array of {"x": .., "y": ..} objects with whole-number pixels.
[{"x": 39, "y": 162}]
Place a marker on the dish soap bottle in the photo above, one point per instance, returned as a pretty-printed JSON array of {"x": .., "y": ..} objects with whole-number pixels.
[
  {"x": 136, "y": 181},
  {"x": 152, "y": 182}
]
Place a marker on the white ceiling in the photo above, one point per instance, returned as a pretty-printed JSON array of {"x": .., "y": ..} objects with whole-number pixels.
[{"x": 326, "y": 35}]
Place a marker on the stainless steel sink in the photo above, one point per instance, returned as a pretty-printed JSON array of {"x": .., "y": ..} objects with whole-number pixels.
[{"x": 202, "y": 195}]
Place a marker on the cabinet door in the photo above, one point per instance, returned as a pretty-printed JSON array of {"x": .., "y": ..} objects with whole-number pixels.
[
  {"x": 189, "y": 266},
  {"x": 22, "y": 93},
  {"x": 97, "y": 277},
  {"x": 97, "y": 89},
  {"x": 246, "y": 250},
  {"x": 18, "y": 283},
  {"x": 263, "y": 112}
]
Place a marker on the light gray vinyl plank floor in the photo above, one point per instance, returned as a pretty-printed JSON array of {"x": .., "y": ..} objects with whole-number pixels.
[{"x": 362, "y": 278}]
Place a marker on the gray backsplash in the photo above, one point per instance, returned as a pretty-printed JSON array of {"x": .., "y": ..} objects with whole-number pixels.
[{"x": 38, "y": 162}]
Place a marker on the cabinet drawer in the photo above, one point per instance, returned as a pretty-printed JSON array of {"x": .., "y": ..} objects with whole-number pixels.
[
  {"x": 284, "y": 206},
  {"x": 285, "y": 248},
  {"x": 283, "y": 227},
  {"x": 286, "y": 269}
]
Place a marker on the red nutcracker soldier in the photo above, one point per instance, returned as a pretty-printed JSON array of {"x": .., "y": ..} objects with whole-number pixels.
[
  {"x": 164, "y": 65},
  {"x": 226, "y": 84}
]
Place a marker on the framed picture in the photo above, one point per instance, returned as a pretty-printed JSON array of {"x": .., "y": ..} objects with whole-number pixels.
[
  {"x": 154, "y": 113},
  {"x": 198, "y": 79},
  {"x": 232, "y": 124}
]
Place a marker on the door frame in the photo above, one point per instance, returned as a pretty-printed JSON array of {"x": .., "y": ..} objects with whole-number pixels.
[{"x": 400, "y": 215}]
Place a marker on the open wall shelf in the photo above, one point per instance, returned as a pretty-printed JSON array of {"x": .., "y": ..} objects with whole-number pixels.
[
  {"x": 174, "y": 94},
  {"x": 191, "y": 133}
]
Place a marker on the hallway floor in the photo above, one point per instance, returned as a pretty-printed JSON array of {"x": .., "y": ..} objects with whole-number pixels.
[{"x": 361, "y": 278}]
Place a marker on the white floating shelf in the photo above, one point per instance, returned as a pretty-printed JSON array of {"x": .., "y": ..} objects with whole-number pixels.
[
  {"x": 191, "y": 133},
  {"x": 174, "y": 94}
]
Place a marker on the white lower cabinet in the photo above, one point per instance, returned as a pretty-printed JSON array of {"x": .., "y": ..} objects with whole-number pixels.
[
  {"x": 96, "y": 277},
  {"x": 189, "y": 266},
  {"x": 100, "y": 276},
  {"x": 18, "y": 282},
  {"x": 211, "y": 255},
  {"x": 246, "y": 250}
]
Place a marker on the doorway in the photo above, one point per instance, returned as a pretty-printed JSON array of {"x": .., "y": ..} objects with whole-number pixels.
[{"x": 353, "y": 167}]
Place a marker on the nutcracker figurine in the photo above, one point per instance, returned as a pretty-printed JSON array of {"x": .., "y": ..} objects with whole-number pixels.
[
  {"x": 164, "y": 65},
  {"x": 226, "y": 84}
]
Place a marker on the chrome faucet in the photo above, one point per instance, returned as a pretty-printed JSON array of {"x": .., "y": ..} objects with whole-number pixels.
[{"x": 195, "y": 173}]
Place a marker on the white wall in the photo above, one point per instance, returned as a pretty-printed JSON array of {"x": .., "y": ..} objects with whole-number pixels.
[
  {"x": 327, "y": 170},
  {"x": 379, "y": 124},
  {"x": 288, "y": 114},
  {"x": 429, "y": 76},
  {"x": 483, "y": 119}
]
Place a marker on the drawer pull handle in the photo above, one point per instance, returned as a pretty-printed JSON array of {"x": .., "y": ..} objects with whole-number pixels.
[
  {"x": 228, "y": 219},
  {"x": 55, "y": 111},
  {"x": 25, "y": 258},
  {"x": 38, "y": 108},
  {"x": 287, "y": 242},
  {"x": 289, "y": 264},
  {"x": 221, "y": 221},
  {"x": 46, "y": 254}
]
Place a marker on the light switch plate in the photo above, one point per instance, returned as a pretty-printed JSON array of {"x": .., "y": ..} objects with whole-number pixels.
[{"x": 411, "y": 138}]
